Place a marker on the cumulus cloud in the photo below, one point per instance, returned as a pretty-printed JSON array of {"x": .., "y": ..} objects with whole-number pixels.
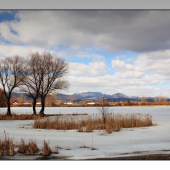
[
  {"x": 130, "y": 74},
  {"x": 121, "y": 65},
  {"x": 11, "y": 50},
  {"x": 98, "y": 68},
  {"x": 5, "y": 31},
  {"x": 139, "y": 91},
  {"x": 129, "y": 59},
  {"x": 149, "y": 69},
  {"x": 139, "y": 31},
  {"x": 154, "y": 62},
  {"x": 112, "y": 84}
]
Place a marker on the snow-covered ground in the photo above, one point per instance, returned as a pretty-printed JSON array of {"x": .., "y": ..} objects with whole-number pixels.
[{"x": 126, "y": 142}]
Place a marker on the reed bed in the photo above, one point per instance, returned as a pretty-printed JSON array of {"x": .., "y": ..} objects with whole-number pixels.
[
  {"x": 29, "y": 148},
  {"x": 114, "y": 122},
  {"x": 6, "y": 146},
  {"x": 20, "y": 117}
]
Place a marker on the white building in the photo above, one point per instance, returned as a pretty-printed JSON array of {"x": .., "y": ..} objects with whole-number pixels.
[
  {"x": 15, "y": 103},
  {"x": 92, "y": 103},
  {"x": 69, "y": 103}
]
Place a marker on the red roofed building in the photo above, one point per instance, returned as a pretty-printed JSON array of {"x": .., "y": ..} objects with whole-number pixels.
[{"x": 14, "y": 102}]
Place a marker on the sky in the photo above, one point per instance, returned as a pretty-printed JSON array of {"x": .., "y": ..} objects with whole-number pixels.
[{"x": 108, "y": 51}]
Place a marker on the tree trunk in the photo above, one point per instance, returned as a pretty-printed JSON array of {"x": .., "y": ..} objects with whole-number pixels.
[
  {"x": 9, "y": 107},
  {"x": 34, "y": 104},
  {"x": 42, "y": 105}
]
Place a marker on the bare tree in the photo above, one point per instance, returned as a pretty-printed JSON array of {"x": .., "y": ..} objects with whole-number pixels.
[
  {"x": 12, "y": 75},
  {"x": 50, "y": 99},
  {"x": 103, "y": 109},
  {"x": 160, "y": 99},
  {"x": 165, "y": 100},
  {"x": 156, "y": 100},
  {"x": 143, "y": 100},
  {"x": 34, "y": 78},
  {"x": 21, "y": 99},
  {"x": 52, "y": 72}
]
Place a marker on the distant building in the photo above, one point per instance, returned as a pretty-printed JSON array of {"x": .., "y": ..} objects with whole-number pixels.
[
  {"x": 87, "y": 101},
  {"x": 69, "y": 103},
  {"x": 92, "y": 103},
  {"x": 14, "y": 102}
]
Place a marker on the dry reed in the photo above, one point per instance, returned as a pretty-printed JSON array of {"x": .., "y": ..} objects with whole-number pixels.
[
  {"x": 11, "y": 148},
  {"x": 29, "y": 148},
  {"x": 7, "y": 145},
  {"x": 20, "y": 117},
  {"x": 56, "y": 150},
  {"x": 114, "y": 122},
  {"x": 46, "y": 149}
]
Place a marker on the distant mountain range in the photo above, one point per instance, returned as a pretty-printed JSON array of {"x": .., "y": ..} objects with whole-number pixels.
[
  {"x": 97, "y": 95},
  {"x": 94, "y": 96}
]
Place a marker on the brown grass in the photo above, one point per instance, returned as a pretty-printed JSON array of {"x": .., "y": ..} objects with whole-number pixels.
[
  {"x": 114, "y": 122},
  {"x": 11, "y": 148},
  {"x": 46, "y": 149},
  {"x": 29, "y": 148},
  {"x": 93, "y": 148},
  {"x": 7, "y": 145},
  {"x": 20, "y": 117},
  {"x": 56, "y": 151}
]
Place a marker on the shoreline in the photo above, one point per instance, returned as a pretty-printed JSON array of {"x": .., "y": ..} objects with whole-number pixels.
[
  {"x": 98, "y": 106},
  {"x": 149, "y": 157},
  {"x": 137, "y": 157}
]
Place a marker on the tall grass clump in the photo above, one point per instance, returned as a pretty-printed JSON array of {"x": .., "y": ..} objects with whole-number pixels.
[
  {"x": 46, "y": 150},
  {"x": 29, "y": 148},
  {"x": 113, "y": 122},
  {"x": 6, "y": 146}
]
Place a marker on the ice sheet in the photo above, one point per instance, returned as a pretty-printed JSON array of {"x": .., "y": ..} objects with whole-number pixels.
[{"x": 126, "y": 142}]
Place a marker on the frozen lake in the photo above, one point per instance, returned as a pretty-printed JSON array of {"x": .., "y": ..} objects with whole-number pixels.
[
  {"x": 158, "y": 113},
  {"x": 126, "y": 142}
]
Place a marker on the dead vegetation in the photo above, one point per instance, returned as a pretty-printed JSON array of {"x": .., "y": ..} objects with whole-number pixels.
[
  {"x": 29, "y": 148},
  {"x": 6, "y": 146},
  {"x": 56, "y": 151},
  {"x": 113, "y": 122},
  {"x": 84, "y": 146},
  {"x": 46, "y": 149},
  {"x": 20, "y": 117}
]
